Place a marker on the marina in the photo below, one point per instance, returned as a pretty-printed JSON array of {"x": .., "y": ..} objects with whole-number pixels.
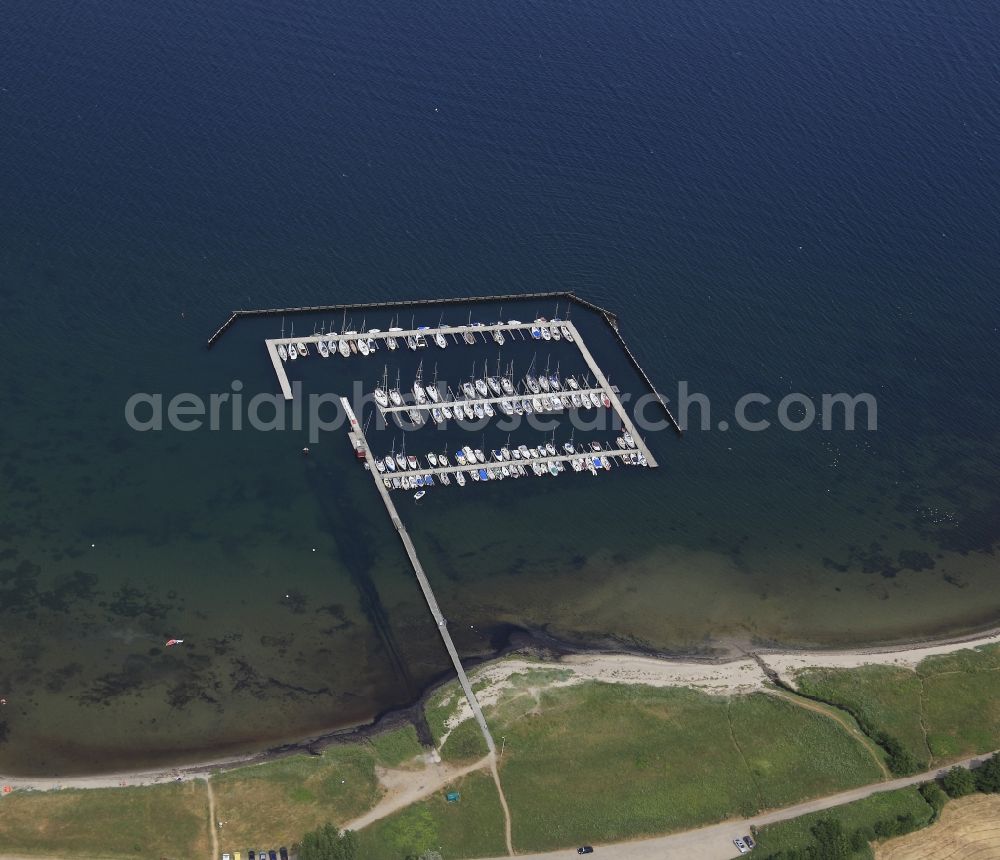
[
  {"x": 609, "y": 318},
  {"x": 376, "y": 339},
  {"x": 485, "y": 396}
]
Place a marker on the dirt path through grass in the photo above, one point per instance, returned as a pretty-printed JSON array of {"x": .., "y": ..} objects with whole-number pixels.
[
  {"x": 873, "y": 749},
  {"x": 503, "y": 803},
  {"x": 213, "y": 829},
  {"x": 405, "y": 787}
]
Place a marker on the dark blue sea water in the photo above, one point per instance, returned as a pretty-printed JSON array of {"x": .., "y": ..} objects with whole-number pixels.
[{"x": 773, "y": 197}]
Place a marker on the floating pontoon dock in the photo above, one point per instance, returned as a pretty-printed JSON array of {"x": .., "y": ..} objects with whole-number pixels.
[
  {"x": 604, "y": 385},
  {"x": 430, "y": 404}
]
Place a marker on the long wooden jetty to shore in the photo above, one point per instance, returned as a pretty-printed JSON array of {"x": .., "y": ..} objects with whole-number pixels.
[{"x": 358, "y": 438}]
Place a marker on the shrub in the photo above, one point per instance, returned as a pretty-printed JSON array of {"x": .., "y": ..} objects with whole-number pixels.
[
  {"x": 935, "y": 796},
  {"x": 328, "y": 843},
  {"x": 958, "y": 782},
  {"x": 987, "y": 776}
]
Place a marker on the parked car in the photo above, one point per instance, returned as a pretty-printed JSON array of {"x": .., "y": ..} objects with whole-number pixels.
[
  {"x": 273, "y": 855},
  {"x": 251, "y": 855},
  {"x": 585, "y": 849},
  {"x": 749, "y": 841},
  {"x": 283, "y": 853},
  {"x": 740, "y": 845}
]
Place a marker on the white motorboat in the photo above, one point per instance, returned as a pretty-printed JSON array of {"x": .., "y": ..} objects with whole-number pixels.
[
  {"x": 411, "y": 461},
  {"x": 363, "y": 346},
  {"x": 401, "y": 461},
  {"x": 505, "y": 452},
  {"x": 444, "y": 479},
  {"x": 421, "y": 340},
  {"x": 396, "y": 483},
  {"x": 440, "y": 340},
  {"x": 460, "y": 479},
  {"x": 539, "y": 405},
  {"x": 303, "y": 349},
  {"x": 344, "y": 347},
  {"x": 506, "y": 408},
  {"x": 282, "y": 352},
  {"x": 507, "y": 386},
  {"x": 391, "y": 341},
  {"x": 543, "y": 383},
  {"x": 605, "y": 400},
  {"x": 433, "y": 393},
  {"x": 550, "y": 449},
  {"x": 480, "y": 457},
  {"x": 488, "y": 409},
  {"x": 479, "y": 411},
  {"x": 419, "y": 494},
  {"x": 525, "y": 453},
  {"x": 469, "y": 390},
  {"x": 536, "y": 331},
  {"x": 524, "y": 407},
  {"x": 396, "y": 397},
  {"x": 566, "y": 333},
  {"x": 532, "y": 384},
  {"x": 460, "y": 458},
  {"x": 446, "y": 411},
  {"x": 416, "y": 417},
  {"x": 469, "y": 337},
  {"x": 432, "y": 458},
  {"x": 375, "y": 335},
  {"x": 437, "y": 415},
  {"x": 390, "y": 463},
  {"x": 470, "y": 455},
  {"x": 568, "y": 448},
  {"x": 482, "y": 389},
  {"x": 573, "y": 384},
  {"x": 494, "y": 385},
  {"x": 498, "y": 337},
  {"x": 628, "y": 439},
  {"x": 381, "y": 396},
  {"x": 411, "y": 342},
  {"x": 470, "y": 413},
  {"x": 352, "y": 344},
  {"x": 546, "y": 333},
  {"x": 554, "y": 330},
  {"x": 575, "y": 400},
  {"x": 553, "y": 469},
  {"x": 554, "y": 383},
  {"x": 443, "y": 460}
]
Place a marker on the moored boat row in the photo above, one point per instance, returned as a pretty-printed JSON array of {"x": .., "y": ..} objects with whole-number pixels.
[
  {"x": 348, "y": 341},
  {"x": 407, "y": 473}
]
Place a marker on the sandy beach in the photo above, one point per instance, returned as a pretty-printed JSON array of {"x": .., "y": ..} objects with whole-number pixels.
[{"x": 731, "y": 677}]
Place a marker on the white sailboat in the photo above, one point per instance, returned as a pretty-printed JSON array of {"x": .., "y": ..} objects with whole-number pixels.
[
  {"x": 381, "y": 395},
  {"x": 418, "y": 389}
]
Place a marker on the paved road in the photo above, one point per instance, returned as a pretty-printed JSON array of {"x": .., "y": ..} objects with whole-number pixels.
[{"x": 716, "y": 841}]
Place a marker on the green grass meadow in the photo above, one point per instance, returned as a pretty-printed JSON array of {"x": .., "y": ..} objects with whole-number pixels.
[
  {"x": 955, "y": 697},
  {"x": 472, "y": 827},
  {"x": 161, "y": 821}
]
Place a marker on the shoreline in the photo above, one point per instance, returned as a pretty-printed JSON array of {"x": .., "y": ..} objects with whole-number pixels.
[{"x": 733, "y": 673}]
